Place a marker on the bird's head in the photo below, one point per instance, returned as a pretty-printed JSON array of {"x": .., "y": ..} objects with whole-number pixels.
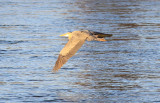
[{"x": 67, "y": 34}]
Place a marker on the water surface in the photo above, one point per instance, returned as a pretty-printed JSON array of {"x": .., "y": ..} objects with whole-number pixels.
[{"x": 125, "y": 69}]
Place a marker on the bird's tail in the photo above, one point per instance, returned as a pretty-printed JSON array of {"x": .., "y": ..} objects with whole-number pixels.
[{"x": 102, "y": 35}]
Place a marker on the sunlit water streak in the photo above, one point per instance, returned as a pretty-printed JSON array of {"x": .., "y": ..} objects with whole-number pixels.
[{"x": 124, "y": 69}]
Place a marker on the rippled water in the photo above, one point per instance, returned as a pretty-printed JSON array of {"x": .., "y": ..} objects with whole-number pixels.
[{"x": 125, "y": 69}]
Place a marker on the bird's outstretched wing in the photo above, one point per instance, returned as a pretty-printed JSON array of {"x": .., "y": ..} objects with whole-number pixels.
[{"x": 68, "y": 51}]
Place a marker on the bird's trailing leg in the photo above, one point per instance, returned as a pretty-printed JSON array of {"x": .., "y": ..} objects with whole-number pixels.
[{"x": 100, "y": 39}]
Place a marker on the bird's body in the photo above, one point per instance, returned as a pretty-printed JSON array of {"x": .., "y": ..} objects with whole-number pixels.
[{"x": 76, "y": 40}]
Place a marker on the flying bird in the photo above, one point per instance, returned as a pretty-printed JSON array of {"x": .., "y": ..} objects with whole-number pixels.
[{"x": 76, "y": 40}]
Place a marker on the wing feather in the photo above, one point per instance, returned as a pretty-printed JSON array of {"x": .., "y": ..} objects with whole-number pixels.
[{"x": 73, "y": 45}]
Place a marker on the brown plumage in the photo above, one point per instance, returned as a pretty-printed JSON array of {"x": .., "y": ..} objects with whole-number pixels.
[{"x": 76, "y": 40}]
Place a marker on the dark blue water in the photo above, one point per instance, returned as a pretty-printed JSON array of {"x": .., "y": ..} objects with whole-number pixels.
[{"x": 125, "y": 69}]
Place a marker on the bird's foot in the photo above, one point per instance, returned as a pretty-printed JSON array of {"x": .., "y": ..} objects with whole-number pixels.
[{"x": 101, "y": 39}]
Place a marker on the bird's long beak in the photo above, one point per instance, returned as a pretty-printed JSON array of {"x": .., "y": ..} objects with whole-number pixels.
[{"x": 66, "y": 35}]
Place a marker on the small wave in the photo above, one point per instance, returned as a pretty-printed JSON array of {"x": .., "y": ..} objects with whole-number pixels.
[
  {"x": 11, "y": 25},
  {"x": 11, "y": 42}
]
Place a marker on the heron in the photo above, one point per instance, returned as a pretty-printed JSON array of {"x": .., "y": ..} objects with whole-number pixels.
[{"x": 76, "y": 40}]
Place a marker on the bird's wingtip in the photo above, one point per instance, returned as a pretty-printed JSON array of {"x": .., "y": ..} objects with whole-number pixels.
[{"x": 54, "y": 71}]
